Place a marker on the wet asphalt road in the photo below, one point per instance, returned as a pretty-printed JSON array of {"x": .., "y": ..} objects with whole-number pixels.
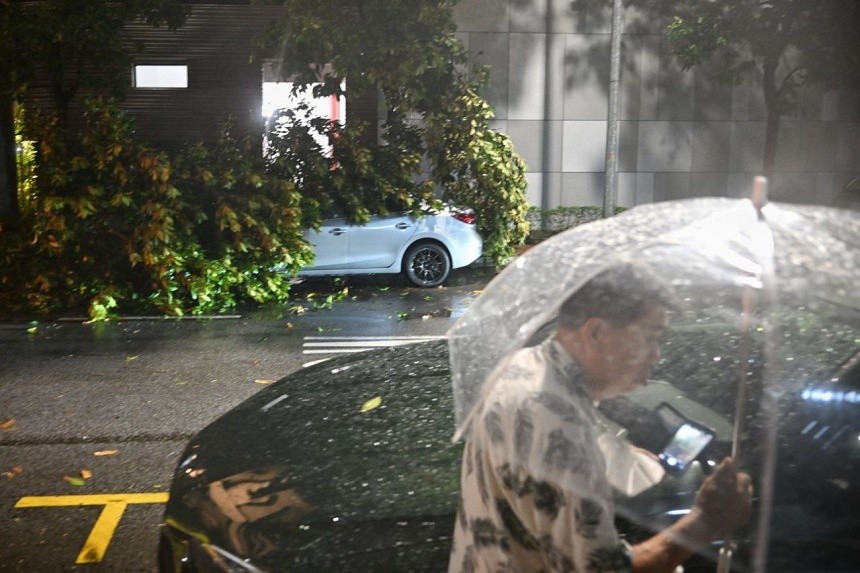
[{"x": 89, "y": 410}]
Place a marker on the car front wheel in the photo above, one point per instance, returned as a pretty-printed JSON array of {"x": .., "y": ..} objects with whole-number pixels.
[{"x": 427, "y": 264}]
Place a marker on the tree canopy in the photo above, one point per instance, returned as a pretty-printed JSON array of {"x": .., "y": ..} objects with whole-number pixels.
[
  {"x": 434, "y": 134},
  {"x": 790, "y": 43}
]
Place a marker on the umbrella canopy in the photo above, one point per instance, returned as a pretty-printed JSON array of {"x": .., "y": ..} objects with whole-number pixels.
[
  {"x": 768, "y": 305},
  {"x": 803, "y": 253}
]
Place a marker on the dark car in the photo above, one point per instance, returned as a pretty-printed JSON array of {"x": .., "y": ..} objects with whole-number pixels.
[
  {"x": 299, "y": 478},
  {"x": 348, "y": 465}
]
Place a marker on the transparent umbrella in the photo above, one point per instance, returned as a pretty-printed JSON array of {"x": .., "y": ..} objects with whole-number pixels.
[{"x": 768, "y": 322}]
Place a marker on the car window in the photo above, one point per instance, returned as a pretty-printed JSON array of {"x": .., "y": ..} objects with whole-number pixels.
[
  {"x": 334, "y": 211},
  {"x": 810, "y": 393}
]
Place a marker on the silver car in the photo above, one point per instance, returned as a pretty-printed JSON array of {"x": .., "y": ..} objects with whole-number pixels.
[{"x": 424, "y": 248}]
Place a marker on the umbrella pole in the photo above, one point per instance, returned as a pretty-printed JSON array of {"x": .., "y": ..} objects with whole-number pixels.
[
  {"x": 758, "y": 198},
  {"x": 740, "y": 401},
  {"x": 724, "y": 563}
]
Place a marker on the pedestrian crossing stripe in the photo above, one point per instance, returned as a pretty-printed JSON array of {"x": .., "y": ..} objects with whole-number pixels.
[{"x": 353, "y": 344}]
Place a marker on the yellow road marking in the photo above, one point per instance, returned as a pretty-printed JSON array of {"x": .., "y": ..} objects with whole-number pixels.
[{"x": 102, "y": 532}]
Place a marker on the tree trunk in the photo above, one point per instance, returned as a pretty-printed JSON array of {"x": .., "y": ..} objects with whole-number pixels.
[
  {"x": 9, "y": 208},
  {"x": 773, "y": 112}
]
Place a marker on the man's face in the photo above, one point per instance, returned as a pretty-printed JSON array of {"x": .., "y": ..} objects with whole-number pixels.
[{"x": 626, "y": 354}]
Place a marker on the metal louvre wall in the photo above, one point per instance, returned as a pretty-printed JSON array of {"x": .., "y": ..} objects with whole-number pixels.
[{"x": 216, "y": 43}]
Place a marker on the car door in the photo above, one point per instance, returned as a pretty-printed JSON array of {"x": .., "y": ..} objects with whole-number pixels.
[
  {"x": 375, "y": 245},
  {"x": 330, "y": 244}
]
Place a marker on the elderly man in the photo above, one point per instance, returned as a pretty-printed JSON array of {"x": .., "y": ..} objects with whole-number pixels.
[{"x": 534, "y": 491}]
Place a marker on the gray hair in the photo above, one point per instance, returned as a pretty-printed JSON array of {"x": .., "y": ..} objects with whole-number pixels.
[{"x": 620, "y": 294}]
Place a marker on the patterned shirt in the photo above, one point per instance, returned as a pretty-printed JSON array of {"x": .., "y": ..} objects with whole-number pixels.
[{"x": 534, "y": 495}]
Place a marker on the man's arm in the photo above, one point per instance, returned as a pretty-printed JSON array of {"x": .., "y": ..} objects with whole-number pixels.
[{"x": 722, "y": 505}]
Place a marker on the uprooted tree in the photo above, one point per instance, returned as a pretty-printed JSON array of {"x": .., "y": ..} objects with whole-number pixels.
[
  {"x": 111, "y": 224},
  {"x": 433, "y": 140},
  {"x": 114, "y": 225}
]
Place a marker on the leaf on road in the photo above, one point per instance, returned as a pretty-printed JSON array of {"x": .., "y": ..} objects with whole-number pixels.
[
  {"x": 86, "y": 474},
  {"x": 7, "y": 424},
  {"x": 371, "y": 404},
  {"x": 14, "y": 472},
  {"x": 106, "y": 453},
  {"x": 263, "y": 381},
  {"x": 75, "y": 481},
  {"x": 130, "y": 358}
]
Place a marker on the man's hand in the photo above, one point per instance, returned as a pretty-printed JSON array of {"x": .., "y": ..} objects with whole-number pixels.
[
  {"x": 722, "y": 505},
  {"x": 724, "y": 500}
]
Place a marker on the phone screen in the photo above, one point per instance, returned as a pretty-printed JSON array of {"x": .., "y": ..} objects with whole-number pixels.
[{"x": 685, "y": 446}]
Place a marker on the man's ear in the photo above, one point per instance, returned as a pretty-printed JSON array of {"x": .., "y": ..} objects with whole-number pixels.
[{"x": 593, "y": 330}]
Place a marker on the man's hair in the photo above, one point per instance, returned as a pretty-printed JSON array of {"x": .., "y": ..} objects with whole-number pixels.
[{"x": 620, "y": 294}]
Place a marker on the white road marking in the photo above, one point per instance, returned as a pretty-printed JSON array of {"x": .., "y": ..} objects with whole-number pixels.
[
  {"x": 352, "y": 344},
  {"x": 330, "y": 345}
]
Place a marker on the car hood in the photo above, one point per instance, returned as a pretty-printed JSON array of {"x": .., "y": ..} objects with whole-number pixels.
[
  {"x": 349, "y": 466},
  {"x": 330, "y": 466}
]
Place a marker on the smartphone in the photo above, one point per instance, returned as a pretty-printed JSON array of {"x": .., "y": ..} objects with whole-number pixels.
[{"x": 685, "y": 445}]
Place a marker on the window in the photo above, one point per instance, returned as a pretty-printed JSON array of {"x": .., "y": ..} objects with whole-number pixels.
[{"x": 161, "y": 76}]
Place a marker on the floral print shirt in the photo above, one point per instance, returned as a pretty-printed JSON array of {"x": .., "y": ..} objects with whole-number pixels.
[{"x": 534, "y": 495}]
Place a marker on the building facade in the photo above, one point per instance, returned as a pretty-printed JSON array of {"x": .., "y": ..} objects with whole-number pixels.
[{"x": 682, "y": 134}]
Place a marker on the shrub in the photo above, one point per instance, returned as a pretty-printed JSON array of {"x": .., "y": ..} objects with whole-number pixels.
[
  {"x": 117, "y": 226},
  {"x": 547, "y": 222}
]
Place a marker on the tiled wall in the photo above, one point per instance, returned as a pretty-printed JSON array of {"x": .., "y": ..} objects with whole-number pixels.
[{"x": 682, "y": 134}]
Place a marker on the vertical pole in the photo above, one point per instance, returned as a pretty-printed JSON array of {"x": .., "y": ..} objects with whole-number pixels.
[
  {"x": 552, "y": 112},
  {"x": 610, "y": 189}
]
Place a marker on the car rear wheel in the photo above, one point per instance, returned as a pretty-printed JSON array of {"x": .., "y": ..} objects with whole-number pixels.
[{"x": 427, "y": 264}]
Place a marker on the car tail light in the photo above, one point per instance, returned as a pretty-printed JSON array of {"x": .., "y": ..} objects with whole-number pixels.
[{"x": 467, "y": 217}]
